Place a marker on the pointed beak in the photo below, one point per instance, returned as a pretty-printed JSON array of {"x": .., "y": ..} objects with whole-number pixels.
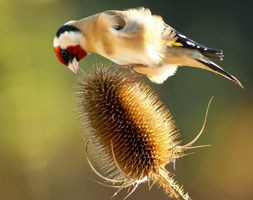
[{"x": 73, "y": 65}]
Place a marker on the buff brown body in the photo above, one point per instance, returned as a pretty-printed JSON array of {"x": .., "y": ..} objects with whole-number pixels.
[{"x": 139, "y": 39}]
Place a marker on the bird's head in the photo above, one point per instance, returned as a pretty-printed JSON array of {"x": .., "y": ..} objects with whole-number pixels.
[{"x": 68, "y": 46}]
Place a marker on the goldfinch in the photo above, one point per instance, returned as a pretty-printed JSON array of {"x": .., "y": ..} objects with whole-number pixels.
[{"x": 136, "y": 38}]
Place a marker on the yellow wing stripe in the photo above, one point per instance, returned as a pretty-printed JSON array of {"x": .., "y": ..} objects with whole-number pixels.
[{"x": 177, "y": 44}]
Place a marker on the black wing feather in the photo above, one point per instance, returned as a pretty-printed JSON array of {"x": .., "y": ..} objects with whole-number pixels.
[{"x": 188, "y": 43}]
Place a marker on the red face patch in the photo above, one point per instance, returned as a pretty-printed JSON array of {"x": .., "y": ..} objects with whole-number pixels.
[
  {"x": 57, "y": 51},
  {"x": 66, "y": 55}
]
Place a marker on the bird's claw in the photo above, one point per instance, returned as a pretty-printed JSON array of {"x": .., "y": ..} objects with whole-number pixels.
[{"x": 130, "y": 68}]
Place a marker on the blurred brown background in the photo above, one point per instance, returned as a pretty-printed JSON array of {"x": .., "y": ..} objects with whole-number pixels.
[{"x": 41, "y": 147}]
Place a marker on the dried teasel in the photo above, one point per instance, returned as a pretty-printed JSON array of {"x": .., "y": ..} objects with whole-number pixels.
[{"x": 129, "y": 131}]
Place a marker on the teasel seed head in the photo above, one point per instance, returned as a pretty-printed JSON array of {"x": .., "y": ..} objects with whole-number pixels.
[{"x": 129, "y": 132}]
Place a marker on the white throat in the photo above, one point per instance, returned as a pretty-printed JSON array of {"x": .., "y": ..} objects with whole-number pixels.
[{"x": 68, "y": 39}]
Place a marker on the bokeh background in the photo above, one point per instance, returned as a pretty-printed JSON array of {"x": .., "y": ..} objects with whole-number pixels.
[{"x": 41, "y": 145}]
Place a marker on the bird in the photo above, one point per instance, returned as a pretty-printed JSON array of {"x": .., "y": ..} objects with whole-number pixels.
[{"x": 136, "y": 38}]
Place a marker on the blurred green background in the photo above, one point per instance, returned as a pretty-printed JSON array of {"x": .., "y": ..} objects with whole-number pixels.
[{"x": 41, "y": 146}]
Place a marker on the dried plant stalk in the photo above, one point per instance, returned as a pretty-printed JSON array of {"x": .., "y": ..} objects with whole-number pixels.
[{"x": 129, "y": 131}]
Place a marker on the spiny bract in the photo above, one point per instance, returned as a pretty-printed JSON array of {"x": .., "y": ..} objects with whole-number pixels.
[{"x": 129, "y": 132}]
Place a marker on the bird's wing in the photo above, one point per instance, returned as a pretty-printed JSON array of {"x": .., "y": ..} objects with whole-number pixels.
[
  {"x": 186, "y": 52},
  {"x": 176, "y": 39}
]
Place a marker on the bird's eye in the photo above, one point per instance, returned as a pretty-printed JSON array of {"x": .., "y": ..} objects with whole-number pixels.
[
  {"x": 64, "y": 53},
  {"x": 66, "y": 56}
]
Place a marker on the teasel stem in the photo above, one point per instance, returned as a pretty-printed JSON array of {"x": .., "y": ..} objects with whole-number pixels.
[{"x": 130, "y": 133}]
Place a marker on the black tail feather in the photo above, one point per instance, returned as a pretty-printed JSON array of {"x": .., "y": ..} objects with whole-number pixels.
[{"x": 217, "y": 69}]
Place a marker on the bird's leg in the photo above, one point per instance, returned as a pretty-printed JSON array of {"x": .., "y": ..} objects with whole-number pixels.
[{"x": 130, "y": 67}]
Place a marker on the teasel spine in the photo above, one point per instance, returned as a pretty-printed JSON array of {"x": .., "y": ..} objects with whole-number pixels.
[{"x": 131, "y": 133}]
